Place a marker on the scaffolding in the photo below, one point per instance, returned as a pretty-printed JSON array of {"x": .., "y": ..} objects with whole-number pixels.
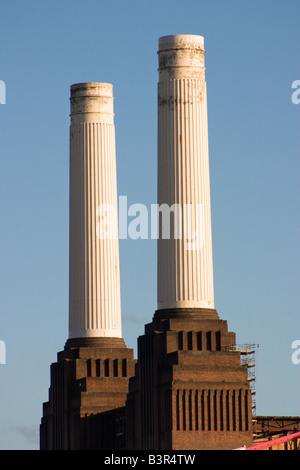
[{"x": 247, "y": 358}]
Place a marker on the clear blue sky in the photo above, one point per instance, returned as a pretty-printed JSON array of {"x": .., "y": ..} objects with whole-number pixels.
[{"x": 252, "y": 58}]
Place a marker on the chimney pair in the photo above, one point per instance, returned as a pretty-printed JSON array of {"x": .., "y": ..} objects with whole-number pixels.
[
  {"x": 188, "y": 388},
  {"x": 185, "y": 268}
]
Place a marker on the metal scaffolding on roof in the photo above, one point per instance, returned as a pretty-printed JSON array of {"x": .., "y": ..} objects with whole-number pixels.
[{"x": 247, "y": 358}]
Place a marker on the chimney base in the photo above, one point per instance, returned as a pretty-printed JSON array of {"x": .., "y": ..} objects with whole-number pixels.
[
  {"x": 190, "y": 391},
  {"x": 87, "y": 395}
]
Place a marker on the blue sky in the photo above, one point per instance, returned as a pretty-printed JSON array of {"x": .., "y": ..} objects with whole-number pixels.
[{"x": 252, "y": 60}]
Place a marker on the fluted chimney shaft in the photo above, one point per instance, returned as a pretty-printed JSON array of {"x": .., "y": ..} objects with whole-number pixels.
[
  {"x": 94, "y": 296},
  {"x": 185, "y": 266}
]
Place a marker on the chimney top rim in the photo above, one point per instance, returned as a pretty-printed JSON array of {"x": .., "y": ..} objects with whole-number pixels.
[
  {"x": 91, "y": 90},
  {"x": 91, "y": 85},
  {"x": 181, "y": 41}
]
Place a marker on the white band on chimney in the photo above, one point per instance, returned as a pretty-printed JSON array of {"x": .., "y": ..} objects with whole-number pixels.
[
  {"x": 94, "y": 296},
  {"x": 185, "y": 275}
]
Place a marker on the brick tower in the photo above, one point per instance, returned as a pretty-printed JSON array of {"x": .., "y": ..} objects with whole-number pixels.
[
  {"x": 89, "y": 381},
  {"x": 189, "y": 391}
]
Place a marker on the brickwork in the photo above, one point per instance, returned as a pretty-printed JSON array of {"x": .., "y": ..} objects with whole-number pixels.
[
  {"x": 87, "y": 395},
  {"x": 189, "y": 392}
]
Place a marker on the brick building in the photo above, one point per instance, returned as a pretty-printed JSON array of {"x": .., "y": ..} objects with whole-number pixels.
[{"x": 187, "y": 389}]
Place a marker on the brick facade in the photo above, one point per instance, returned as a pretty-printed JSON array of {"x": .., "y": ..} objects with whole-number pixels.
[
  {"x": 87, "y": 395},
  {"x": 186, "y": 391},
  {"x": 189, "y": 392}
]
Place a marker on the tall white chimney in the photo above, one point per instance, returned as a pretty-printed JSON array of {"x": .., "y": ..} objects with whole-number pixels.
[
  {"x": 185, "y": 265},
  {"x": 94, "y": 296}
]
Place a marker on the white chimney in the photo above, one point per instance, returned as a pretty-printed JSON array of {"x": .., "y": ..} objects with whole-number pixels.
[
  {"x": 185, "y": 264},
  {"x": 94, "y": 297}
]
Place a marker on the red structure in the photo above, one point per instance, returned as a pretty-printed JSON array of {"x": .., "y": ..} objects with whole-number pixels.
[{"x": 289, "y": 438}]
